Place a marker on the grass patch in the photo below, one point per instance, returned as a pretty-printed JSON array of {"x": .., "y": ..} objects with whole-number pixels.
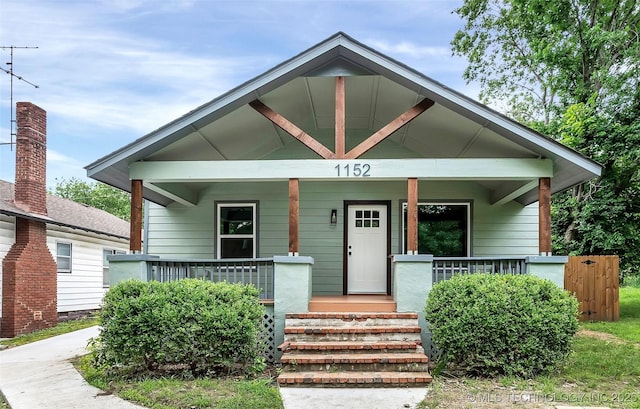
[
  {"x": 603, "y": 370},
  {"x": 176, "y": 393},
  {"x": 3, "y": 402},
  {"x": 628, "y": 327},
  {"x": 61, "y": 328}
]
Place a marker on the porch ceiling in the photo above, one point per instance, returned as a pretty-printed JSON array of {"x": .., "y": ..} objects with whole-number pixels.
[
  {"x": 371, "y": 102},
  {"x": 377, "y": 90}
]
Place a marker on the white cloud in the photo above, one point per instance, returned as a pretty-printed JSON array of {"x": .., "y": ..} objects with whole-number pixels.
[{"x": 410, "y": 49}]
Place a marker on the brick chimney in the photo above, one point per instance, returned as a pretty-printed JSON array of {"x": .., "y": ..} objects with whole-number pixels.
[{"x": 29, "y": 273}]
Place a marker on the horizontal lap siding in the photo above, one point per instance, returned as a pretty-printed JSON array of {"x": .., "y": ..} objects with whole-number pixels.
[
  {"x": 189, "y": 232},
  {"x": 507, "y": 230},
  {"x": 7, "y": 238},
  {"x": 82, "y": 288}
]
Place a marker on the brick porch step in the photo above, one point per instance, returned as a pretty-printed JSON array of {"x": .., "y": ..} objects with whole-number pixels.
[
  {"x": 368, "y": 349},
  {"x": 354, "y": 316},
  {"x": 407, "y": 361},
  {"x": 351, "y": 379},
  {"x": 350, "y": 346},
  {"x": 351, "y": 319},
  {"x": 353, "y": 333}
]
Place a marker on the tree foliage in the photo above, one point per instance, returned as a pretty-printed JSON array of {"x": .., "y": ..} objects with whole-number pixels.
[
  {"x": 569, "y": 69},
  {"x": 98, "y": 195}
]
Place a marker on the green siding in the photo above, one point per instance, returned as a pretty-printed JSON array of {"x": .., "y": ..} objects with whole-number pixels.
[{"x": 188, "y": 232}]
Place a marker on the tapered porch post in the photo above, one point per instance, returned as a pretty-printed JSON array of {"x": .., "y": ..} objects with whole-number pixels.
[
  {"x": 412, "y": 216},
  {"x": 544, "y": 216},
  {"x": 294, "y": 211},
  {"x": 135, "y": 238}
]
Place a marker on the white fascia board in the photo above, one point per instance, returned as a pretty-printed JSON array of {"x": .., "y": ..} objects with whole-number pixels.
[{"x": 323, "y": 169}]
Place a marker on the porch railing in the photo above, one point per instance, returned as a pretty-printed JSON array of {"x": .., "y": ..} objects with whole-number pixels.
[
  {"x": 257, "y": 271},
  {"x": 446, "y": 267}
]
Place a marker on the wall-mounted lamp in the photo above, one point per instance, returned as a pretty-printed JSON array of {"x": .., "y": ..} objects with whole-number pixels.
[{"x": 334, "y": 216}]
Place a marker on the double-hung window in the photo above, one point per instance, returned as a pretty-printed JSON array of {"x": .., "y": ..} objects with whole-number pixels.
[
  {"x": 443, "y": 229},
  {"x": 236, "y": 227},
  {"x": 63, "y": 257}
]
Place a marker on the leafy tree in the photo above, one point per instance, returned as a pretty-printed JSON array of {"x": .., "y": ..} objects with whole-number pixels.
[
  {"x": 570, "y": 69},
  {"x": 98, "y": 195}
]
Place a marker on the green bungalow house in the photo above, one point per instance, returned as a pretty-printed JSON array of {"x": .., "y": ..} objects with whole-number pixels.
[{"x": 341, "y": 180}]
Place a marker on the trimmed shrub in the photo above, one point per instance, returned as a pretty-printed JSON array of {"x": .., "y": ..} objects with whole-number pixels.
[
  {"x": 489, "y": 324},
  {"x": 193, "y": 325}
]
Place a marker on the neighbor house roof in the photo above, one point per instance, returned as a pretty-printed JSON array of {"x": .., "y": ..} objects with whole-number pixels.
[
  {"x": 67, "y": 213},
  {"x": 379, "y": 89}
]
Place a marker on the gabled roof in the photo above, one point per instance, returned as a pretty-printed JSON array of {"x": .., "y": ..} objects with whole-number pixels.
[
  {"x": 67, "y": 213},
  {"x": 378, "y": 88}
]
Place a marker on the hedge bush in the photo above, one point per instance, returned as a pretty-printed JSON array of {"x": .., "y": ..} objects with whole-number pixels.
[
  {"x": 488, "y": 324},
  {"x": 192, "y": 325}
]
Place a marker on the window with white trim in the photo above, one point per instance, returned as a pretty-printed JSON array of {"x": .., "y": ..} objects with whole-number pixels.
[
  {"x": 443, "y": 229},
  {"x": 105, "y": 264},
  {"x": 236, "y": 230},
  {"x": 63, "y": 257}
]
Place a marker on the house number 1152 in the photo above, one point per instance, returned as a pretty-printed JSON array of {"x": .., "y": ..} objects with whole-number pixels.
[{"x": 355, "y": 169}]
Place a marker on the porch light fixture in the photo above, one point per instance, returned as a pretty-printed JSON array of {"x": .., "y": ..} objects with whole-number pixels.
[{"x": 334, "y": 216}]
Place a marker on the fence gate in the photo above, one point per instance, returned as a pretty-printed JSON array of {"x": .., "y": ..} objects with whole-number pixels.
[{"x": 594, "y": 281}]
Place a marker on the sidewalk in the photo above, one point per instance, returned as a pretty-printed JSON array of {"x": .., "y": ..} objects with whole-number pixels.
[{"x": 40, "y": 376}]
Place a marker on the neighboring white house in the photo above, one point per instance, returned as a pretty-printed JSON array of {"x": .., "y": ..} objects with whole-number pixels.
[{"x": 79, "y": 237}]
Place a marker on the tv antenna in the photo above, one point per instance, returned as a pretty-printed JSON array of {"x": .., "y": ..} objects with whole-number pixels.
[{"x": 13, "y": 75}]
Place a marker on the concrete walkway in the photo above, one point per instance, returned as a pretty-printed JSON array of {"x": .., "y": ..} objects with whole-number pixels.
[{"x": 40, "y": 376}]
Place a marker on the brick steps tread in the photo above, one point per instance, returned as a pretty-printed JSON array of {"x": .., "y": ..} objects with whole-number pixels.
[
  {"x": 354, "y": 315},
  {"x": 383, "y": 358},
  {"x": 353, "y": 378},
  {"x": 348, "y": 346},
  {"x": 352, "y": 330}
]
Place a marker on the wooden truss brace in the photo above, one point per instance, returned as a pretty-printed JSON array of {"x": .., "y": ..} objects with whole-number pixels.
[{"x": 339, "y": 153}]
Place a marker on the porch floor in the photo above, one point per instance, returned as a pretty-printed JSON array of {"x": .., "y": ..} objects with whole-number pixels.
[{"x": 352, "y": 303}]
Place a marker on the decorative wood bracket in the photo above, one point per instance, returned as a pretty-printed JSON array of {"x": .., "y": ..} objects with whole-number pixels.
[
  {"x": 290, "y": 128},
  {"x": 313, "y": 144},
  {"x": 390, "y": 128}
]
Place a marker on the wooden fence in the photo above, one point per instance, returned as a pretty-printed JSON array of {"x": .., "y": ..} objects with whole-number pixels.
[{"x": 594, "y": 281}]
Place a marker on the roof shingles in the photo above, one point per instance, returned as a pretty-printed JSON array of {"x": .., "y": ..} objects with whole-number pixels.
[{"x": 65, "y": 212}]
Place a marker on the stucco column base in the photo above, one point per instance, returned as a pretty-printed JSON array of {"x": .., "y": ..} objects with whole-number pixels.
[
  {"x": 123, "y": 267},
  {"x": 412, "y": 281},
  {"x": 547, "y": 267},
  {"x": 291, "y": 290}
]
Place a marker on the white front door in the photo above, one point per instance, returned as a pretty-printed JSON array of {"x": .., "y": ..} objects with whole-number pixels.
[{"x": 367, "y": 249}]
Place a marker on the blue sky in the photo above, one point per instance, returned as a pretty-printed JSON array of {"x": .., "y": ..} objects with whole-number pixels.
[{"x": 111, "y": 71}]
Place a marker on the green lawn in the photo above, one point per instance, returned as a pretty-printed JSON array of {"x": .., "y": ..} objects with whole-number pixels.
[
  {"x": 61, "y": 328},
  {"x": 628, "y": 327},
  {"x": 176, "y": 393}
]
